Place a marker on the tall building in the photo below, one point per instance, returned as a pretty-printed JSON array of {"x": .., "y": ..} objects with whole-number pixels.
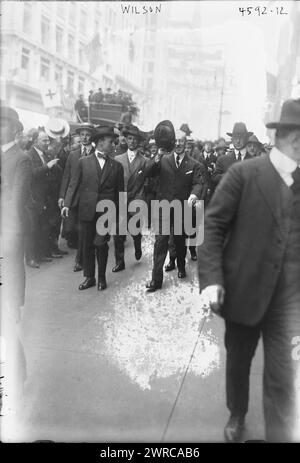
[{"x": 57, "y": 50}]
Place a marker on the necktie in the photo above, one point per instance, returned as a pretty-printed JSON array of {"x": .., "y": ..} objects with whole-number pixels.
[
  {"x": 84, "y": 151},
  {"x": 101, "y": 155},
  {"x": 177, "y": 161},
  {"x": 296, "y": 177},
  {"x": 239, "y": 158}
]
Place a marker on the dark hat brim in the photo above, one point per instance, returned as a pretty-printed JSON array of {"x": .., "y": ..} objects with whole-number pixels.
[
  {"x": 230, "y": 134},
  {"x": 90, "y": 129},
  {"x": 282, "y": 125},
  {"x": 134, "y": 134}
]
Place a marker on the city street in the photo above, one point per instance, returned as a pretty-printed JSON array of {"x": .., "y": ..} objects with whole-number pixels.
[{"x": 106, "y": 366}]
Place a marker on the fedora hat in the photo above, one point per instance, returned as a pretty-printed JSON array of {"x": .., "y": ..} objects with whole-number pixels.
[
  {"x": 289, "y": 117},
  {"x": 10, "y": 115},
  {"x": 85, "y": 126},
  {"x": 56, "y": 128},
  {"x": 239, "y": 128},
  {"x": 103, "y": 131},
  {"x": 254, "y": 139},
  {"x": 132, "y": 130},
  {"x": 164, "y": 135},
  {"x": 185, "y": 128},
  {"x": 221, "y": 144}
]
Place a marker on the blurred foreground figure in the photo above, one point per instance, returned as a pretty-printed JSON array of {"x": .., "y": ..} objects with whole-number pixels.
[
  {"x": 16, "y": 174},
  {"x": 249, "y": 269}
]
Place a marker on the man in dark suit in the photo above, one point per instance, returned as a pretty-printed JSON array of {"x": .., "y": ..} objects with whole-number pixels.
[
  {"x": 71, "y": 225},
  {"x": 249, "y": 271},
  {"x": 38, "y": 204},
  {"x": 16, "y": 173},
  {"x": 179, "y": 179},
  {"x": 240, "y": 137},
  {"x": 98, "y": 178},
  {"x": 135, "y": 171}
]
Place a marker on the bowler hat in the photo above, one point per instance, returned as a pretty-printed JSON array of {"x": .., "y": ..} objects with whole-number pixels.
[
  {"x": 164, "y": 135},
  {"x": 57, "y": 128},
  {"x": 289, "y": 117},
  {"x": 185, "y": 128},
  {"x": 132, "y": 130},
  {"x": 85, "y": 126},
  {"x": 239, "y": 128},
  {"x": 9, "y": 114},
  {"x": 103, "y": 131}
]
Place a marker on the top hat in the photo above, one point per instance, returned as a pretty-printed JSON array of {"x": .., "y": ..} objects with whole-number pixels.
[
  {"x": 164, "y": 135},
  {"x": 56, "y": 128},
  {"x": 132, "y": 130},
  {"x": 85, "y": 126},
  {"x": 9, "y": 114},
  {"x": 289, "y": 117},
  {"x": 254, "y": 139},
  {"x": 103, "y": 131},
  {"x": 185, "y": 128},
  {"x": 239, "y": 128}
]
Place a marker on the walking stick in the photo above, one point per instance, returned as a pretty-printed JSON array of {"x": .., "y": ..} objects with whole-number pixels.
[{"x": 207, "y": 314}]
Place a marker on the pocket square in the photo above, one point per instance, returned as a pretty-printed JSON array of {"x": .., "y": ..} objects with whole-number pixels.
[
  {"x": 189, "y": 172},
  {"x": 140, "y": 172}
]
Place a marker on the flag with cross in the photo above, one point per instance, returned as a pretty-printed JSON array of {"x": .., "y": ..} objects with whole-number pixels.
[{"x": 51, "y": 95}]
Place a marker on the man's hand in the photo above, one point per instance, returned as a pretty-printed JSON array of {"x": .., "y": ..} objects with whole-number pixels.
[
  {"x": 65, "y": 212},
  {"x": 52, "y": 163},
  {"x": 192, "y": 199},
  {"x": 214, "y": 297},
  {"x": 61, "y": 202}
]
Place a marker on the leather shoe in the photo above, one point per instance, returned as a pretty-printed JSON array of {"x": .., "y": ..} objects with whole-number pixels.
[
  {"x": 181, "y": 274},
  {"x": 46, "y": 259},
  {"x": 153, "y": 286},
  {"x": 102, "y": 284},
  {"x": 234, "y": 428},
  {"x": 33, "y": 264},
  {"x": 193, "y": 256},
  {"x": 77, "y": 267},
  {"x": 171, "y": 266},
  {"x": 138, "y": 254},
  {"x": 118, "y": 267},
  {"x": 60, "y": 251},
  {"x": 88, "y": 283}
]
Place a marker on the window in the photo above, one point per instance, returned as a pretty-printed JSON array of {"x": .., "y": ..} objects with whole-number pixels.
[
  {"x": 25, "y": 58},
  {"x": 81, "y": 54},
  {"x": 45, "y": 31},
  {"x": 81, "y": 85},
  {"x": 58, "y": 74},
  {"x": 27, "y": 18},
  {"x": 70, "y": 83},
  {"x": 59, "y": 38},
  {"x": 45, "y": 68},
  {"x": 83, "y": 21},
  {"x": 150, "y": 66},
  {"x": 149, "y": 83},
  {"x": 71, "y": 45}
]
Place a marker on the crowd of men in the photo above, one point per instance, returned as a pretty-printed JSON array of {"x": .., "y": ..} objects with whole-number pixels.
[{"x": 53, "y": 184}]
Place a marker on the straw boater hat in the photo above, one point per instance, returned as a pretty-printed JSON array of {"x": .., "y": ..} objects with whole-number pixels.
[
  {"x": 57, "y": 128},
  {"x": 289, "y": 117}
]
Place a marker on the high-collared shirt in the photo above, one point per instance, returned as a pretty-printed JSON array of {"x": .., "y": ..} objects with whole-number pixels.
[
  {"x": 41, "y": 155},
  {"x": 7, "y": 146},
  {"x": 181, "y": 156},
  {"x": 131, "y": 155},
  {"x": 242, "y": 151},
  {"x": 100, "y": 159},
  {"x": 87, "y": 148},
  {"x": 284, "y": 165}
]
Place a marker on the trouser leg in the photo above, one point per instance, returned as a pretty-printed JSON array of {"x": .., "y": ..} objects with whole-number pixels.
[
  {"x": 119, "y": 241},
  {"x": 179, "y": 241},
  {"x": 240, "y": 342},
  {"x": 88, "y": 248},
  {"x": 159, "y": 256}
]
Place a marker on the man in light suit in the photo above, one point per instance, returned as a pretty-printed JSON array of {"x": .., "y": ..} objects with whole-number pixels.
[
  {"x": 135, "y": 171},
  {"x": 179, "y": 179},
  {"x": 71, "y": 225},
  {"x": 249, "y": 271},
  {"x": 240, "y": 137},
  {"x": 98, "y": 177}
]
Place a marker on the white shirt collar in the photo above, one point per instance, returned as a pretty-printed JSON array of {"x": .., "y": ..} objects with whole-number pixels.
[
  {"x": 87, "y": 147},
  {"x": 7, "y": 146},
  {"x": 283, "y": 164},
  {"x": 242, "y": 151},
  {"x": 38, "y": 151}
]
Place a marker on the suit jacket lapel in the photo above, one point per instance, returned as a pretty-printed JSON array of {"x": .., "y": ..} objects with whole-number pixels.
[
  {"x": 135, "y": 165},
  {"x": 276, "y": 193},
  {"x": 171, "y": 160},
  {"x": 183, "y": 163},
  {"x": 106, "y": 169},
  {"x": 97, "y": 169}
]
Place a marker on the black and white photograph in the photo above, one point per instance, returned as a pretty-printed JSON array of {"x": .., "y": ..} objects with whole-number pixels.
[{"x": 150, "y": 223}]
